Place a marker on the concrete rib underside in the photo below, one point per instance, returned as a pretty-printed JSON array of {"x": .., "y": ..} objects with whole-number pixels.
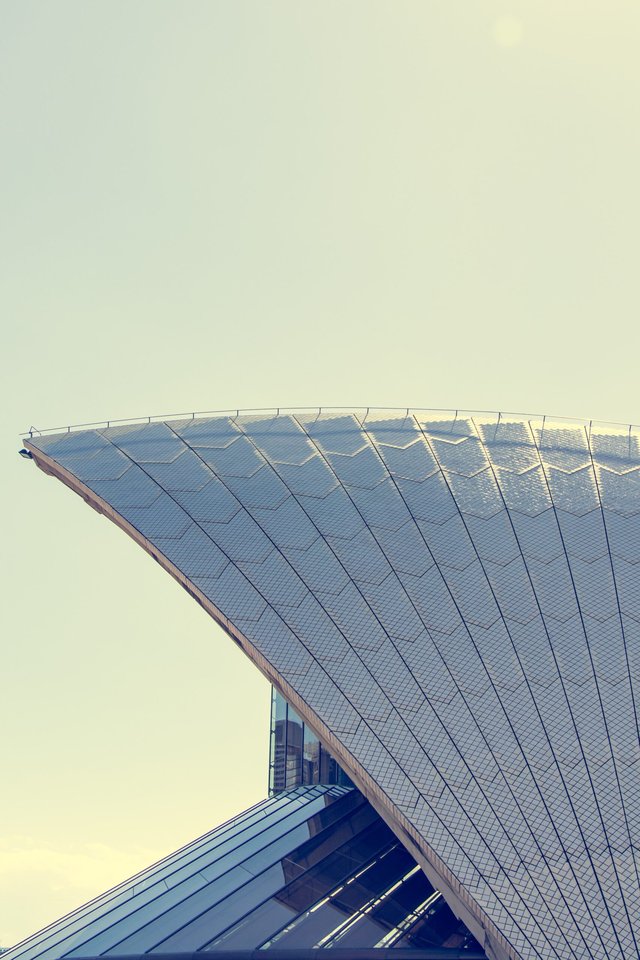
[{"x": 453, "y": 604}]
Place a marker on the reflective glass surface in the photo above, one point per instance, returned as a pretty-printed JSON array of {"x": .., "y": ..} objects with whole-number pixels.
[
  {"x": 313, "y": 867},
  {"x": 296, "y": 756}
]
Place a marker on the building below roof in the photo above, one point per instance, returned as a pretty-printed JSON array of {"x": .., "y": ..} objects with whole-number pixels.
[{"x": 313, "y": 867}]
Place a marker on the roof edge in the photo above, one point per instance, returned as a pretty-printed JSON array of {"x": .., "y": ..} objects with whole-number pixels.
[{"x": 236, "y": 412}]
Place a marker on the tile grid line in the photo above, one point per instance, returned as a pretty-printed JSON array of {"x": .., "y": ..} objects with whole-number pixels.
[
  {"x": 196, "y": 523},
  {"x": 527, "y": 682},
  {"x": 412, "y": 519},
  {"x": 268, "y": 464},
  {"x": 496, "y": 692},
  {"x": 272, "y": 468},
  {"x": 277, "y": 581},
  {"x": 488, "y": 675},
  {"x": 566, "y": 697},
  {"x": 617, "y": 593},
  {"x": 389, "y": 638},
  {"x": 600, "y": 702},
  {"x": 279, "y": 616},
  {"x": 49, "y": 465}
]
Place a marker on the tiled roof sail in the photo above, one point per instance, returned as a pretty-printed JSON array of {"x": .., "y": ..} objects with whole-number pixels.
[{"x": 452, "y": 602}]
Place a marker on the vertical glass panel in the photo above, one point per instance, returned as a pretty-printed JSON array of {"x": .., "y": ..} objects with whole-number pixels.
[
  {"x": 296, "y": 756},
  {"x": 279, "y": 706},
  {"x": 311, "y": 757},
  {"x": 278, "y": 746},
  {"x": 272, "y": 743},
  {"x": 295, "y": 737}
]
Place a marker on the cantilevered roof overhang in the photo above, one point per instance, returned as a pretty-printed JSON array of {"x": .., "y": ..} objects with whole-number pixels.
[{"x": 452, "y": 602}]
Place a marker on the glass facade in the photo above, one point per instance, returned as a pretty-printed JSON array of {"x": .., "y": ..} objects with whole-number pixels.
[
  {"x": 296, "y": 756},
  {"x": 314, "y": 867}
]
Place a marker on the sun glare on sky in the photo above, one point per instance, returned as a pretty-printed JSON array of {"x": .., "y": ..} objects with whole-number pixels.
[{"x": 508, "y": 31}]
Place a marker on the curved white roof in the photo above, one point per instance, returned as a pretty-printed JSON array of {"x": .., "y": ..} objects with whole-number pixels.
[{"x": 453, "y": 604}]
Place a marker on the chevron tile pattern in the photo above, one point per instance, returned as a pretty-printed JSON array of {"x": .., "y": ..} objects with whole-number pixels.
[{"x": 456, "y": 600}]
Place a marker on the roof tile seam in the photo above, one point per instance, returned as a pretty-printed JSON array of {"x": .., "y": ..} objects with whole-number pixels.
[{"x": 559, "y": 769}]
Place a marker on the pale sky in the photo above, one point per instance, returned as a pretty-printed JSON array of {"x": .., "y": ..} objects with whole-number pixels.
[{"x": 242, "y": 204}]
